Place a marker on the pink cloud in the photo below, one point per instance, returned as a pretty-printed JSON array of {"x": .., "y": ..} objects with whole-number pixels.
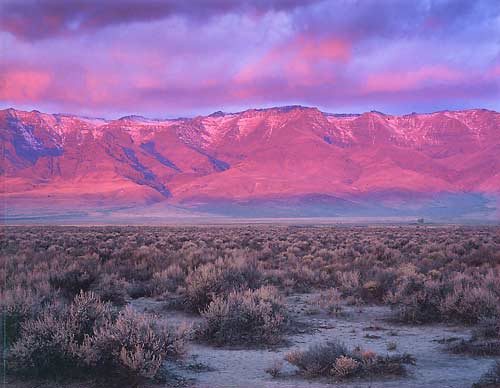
[
  {"x": 22, "y": 85},
  {"x": 495, "y": 72},
  {"x": 317, "y": 49},
  {"x": 396, "y": 81},
  {"x": 299, "y": 59},
  {"x": 99, "y": 87}
]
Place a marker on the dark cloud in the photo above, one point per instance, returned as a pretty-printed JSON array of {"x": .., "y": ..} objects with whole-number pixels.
[
  {"x": 360, "y": 19},
  {"x": 357, "y": 19},
  {"x": 39, "y": 19}
]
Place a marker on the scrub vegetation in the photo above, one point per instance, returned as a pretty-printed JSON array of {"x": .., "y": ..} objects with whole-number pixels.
[{"x": 68, "y": 293}]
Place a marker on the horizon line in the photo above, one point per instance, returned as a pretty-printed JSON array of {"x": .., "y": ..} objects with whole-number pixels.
[{"x": 223, "y": 113}]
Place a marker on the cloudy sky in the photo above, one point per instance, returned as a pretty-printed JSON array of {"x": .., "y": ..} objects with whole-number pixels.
[{"x": 183, "y": 58}]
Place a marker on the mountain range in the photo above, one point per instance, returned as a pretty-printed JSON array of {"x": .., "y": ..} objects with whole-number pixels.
[{"x": 289, "y": 161}]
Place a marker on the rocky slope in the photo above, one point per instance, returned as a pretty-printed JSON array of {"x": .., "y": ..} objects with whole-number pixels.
[{"x": 278, "y": 161}]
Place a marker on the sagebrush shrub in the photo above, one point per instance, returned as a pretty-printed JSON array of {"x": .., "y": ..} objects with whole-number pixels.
[
  {"x": 74, "y": 279},
  {"x": 134, "y": 344},
  {"x": 425, "y": 274},
  {"x": 85, "y": 315},
  {"x": 169, "y": 279},
  {"x": 220, "y": 278},
  {"x": 67, "y": 340},
  {"x": 416, "y": 300},
  {"x": 251, "y": 316},
  {"x": 44, "y": 348},
  {"x": 333, "y": 359},
  {"x": 111, "y": 288},
  {"x": 469, "y": 304},
  {"x": 319, "y": 359},
  {"x": 18, "y": 305},
  {"x": 51, "y": 343},
  {"x": 349, "y": 282}
]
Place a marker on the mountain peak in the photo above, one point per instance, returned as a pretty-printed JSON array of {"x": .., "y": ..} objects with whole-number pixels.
[
  {"x": 281, "y": 152},
  {"x": 290, "y": 108},
  {"x": 219, "y": 113},
  {"x": 134, "y": 118}
]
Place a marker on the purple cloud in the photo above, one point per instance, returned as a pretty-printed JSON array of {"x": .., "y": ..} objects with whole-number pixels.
[{"x": 183, "y": 58}]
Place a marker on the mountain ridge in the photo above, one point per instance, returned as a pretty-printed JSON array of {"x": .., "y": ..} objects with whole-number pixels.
[
  {"x": 220, "y": 112},
  {"x": 272, "y": 155}
]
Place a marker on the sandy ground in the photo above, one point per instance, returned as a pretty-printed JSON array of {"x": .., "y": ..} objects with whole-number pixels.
[{"x": 368, "y": 327}]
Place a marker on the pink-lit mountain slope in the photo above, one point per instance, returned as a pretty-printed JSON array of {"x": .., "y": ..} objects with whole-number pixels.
[{"x": 265, "y": 162}]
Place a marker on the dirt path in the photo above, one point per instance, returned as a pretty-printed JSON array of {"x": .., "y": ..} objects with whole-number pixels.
[{"x": 367, "y": 327}]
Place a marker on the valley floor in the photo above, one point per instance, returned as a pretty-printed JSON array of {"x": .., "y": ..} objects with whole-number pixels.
[
  {"x": 369, "y": 327},
  {"x": 251, "y": 306}
]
